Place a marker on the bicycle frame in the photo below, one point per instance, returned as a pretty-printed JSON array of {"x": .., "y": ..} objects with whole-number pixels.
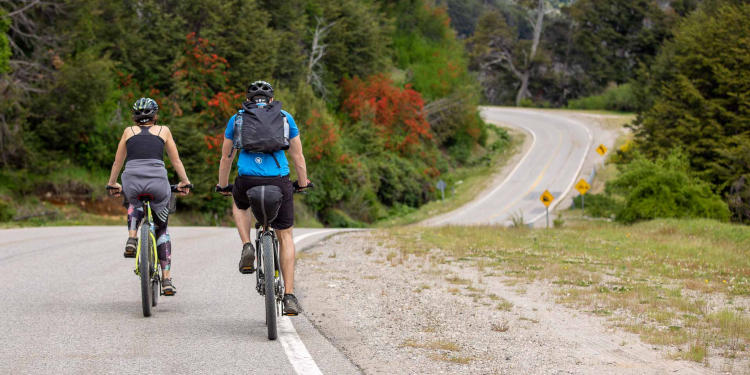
[{"x": 148, "y": 219}]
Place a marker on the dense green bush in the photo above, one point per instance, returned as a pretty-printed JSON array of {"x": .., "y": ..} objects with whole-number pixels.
[
  {"x": 6, "y": 211},
  {"x": 598, "y": 205},
  {"x": 664, "y": 188},
  {"x": 614, "y": 98}
]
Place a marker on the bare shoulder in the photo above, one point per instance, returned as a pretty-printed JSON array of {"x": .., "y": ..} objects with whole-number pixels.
[
  {"x": 128, "y": 132},
  {"x": 165, "y": 133}
]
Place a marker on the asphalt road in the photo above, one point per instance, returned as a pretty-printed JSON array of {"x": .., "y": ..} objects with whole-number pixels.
[
  {"x": 554, "y": 162},
  {"x": 70, "y": 303}
]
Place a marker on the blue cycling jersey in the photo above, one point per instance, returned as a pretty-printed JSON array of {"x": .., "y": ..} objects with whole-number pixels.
[{"x": 260, "y": 164}]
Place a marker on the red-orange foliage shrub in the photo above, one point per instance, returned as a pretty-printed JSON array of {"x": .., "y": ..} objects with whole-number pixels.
[
  {"x": 320, "y": 136},
  {"x": 397, "y": 113},
  {"x": 203, "y": 83}
]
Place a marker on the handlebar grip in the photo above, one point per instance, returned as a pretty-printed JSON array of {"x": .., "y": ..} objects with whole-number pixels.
[
  {"x": 176, "y": 188},
  {"x": 225, "y": 189},
  {"x": 112, "y": 187}
]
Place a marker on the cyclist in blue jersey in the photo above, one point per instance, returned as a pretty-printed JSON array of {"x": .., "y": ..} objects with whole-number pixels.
[{"x": 257, "y": 169}]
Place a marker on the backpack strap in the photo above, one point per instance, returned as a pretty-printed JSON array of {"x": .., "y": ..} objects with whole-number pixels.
[{"x": 276, "y": 160}]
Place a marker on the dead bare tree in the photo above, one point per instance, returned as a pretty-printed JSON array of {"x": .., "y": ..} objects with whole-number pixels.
[
  {"x": 500, "y": 50},
  {"x": 317, "y": 51},
  {"x": 523, "y": 92}
]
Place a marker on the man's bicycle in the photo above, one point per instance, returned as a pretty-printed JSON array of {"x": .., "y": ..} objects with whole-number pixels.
[
  {"x": 146, "y": 257},
  {"x": 265, "y": 201}
]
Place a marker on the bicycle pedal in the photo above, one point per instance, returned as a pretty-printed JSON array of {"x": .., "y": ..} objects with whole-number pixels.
[
  {"x": 247, "y": 270},
  {"x": 288, "y": 314}
]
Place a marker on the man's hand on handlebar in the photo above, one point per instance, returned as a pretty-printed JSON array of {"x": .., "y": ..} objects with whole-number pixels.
[
  {"x": 225, "y": 191},
  {"x": 114, "y": 189},
  {"x": 301, "y": 189}
]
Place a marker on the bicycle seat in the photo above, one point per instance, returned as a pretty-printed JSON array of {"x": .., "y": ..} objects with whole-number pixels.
[
  {"x": 265, "y": 201},
  {"x": 145, "y": 197}
]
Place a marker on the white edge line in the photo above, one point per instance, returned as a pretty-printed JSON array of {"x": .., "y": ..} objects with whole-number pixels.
[
  {"x": 295, "y": 349},
  {"x": 507, "y": 178},
  {"x": 578, "y": 172}
]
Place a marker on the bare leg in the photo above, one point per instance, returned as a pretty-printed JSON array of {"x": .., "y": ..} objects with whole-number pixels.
[
  {"x": 131, "y": 233},
  {"x": 243, "y": 221},
  {"x": 287, "y": 253}
]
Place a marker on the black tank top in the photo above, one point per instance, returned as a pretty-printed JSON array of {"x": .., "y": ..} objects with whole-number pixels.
[{"x": 145, "y": 145}]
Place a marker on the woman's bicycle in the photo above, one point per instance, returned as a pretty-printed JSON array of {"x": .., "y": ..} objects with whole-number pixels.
[
  {"x": 146, "y": 256},
  {"x": 265, "y": 201}
]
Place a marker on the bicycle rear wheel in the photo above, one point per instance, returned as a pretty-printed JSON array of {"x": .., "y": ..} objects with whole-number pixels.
[
  {"x": 144, "y": 268},
  {"x": 266, "y": 242}
]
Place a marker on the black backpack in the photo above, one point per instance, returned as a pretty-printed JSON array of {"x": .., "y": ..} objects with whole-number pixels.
[{"x": 262, "y": 129}]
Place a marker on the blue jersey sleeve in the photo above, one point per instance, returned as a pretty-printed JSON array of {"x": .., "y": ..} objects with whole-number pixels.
[
  {"x": 293, "y": 130},
  {"x": 229, "y": 133}
]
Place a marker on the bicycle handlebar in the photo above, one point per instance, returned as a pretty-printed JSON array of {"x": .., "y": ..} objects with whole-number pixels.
[
  {"x": 299, "y": 189},
  {"x": 176, "y": 188},
  {"x": 295, "y": 185}
]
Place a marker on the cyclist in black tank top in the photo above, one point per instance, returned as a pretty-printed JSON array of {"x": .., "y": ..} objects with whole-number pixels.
[
  {"x": 142, "y": 152},
  {"x": 145, "y": 145}
]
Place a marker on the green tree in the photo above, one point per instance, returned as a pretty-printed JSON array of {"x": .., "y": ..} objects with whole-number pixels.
[
  {"x": 701, "y": 92},
  {"x": 613, "y": 37}
]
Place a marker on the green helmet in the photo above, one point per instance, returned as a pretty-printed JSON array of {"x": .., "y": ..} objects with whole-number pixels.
[{"x": 144, "y": 110}]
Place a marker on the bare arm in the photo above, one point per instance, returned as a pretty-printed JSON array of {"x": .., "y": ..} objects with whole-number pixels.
[
  {"x": 174, "y": 157},
  {"x": 122, "y": 153},
  {"x": 295, "y": 152},
  {"x": 225, "y": 165}
]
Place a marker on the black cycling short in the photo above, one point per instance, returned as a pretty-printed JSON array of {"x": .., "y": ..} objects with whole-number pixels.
[{"x": 285, "y": 218}]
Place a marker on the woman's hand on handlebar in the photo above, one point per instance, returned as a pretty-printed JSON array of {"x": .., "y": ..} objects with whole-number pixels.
[
  {"x": 114, "y": 189},
  {"x": 184, "y": 187},
  {"x": 226, "y": 190}
]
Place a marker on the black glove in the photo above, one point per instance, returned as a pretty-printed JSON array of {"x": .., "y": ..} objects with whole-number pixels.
[{"x": 225, "y": 189}]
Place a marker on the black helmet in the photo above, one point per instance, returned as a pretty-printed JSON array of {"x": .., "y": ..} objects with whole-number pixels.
[
  {"x": 260, "y": 92},
  {"x": 144, "y": 110}
]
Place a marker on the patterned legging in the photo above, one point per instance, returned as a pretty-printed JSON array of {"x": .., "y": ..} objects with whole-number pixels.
[{"x": 163, "y": 241}]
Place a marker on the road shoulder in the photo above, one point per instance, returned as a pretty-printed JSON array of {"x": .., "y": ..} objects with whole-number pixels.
[{"x": 395, "y": 313}]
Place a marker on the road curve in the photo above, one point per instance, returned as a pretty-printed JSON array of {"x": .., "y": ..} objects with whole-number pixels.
[
  {"x": 71, "y": 304},
  {"x": 554, "y": 161}
]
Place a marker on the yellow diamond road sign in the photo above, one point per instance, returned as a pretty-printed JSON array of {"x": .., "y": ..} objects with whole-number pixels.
[
  {"x": 546, "y": 198},
  {"x": 583, "y": 186},
  {"x": 602, "y": 149}
]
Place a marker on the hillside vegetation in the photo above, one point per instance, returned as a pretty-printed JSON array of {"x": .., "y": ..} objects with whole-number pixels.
[{"x": 380, "y": 91}]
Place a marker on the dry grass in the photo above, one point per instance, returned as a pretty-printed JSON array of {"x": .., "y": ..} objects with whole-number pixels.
[
  {"x": 667, "y": 280},
  {"x": 504, "y": 305},
  {"x": 433, "y": 345},
  {"x": 501, "y": 327}
]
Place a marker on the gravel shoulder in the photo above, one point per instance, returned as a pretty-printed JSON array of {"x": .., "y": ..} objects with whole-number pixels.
[{"x": 414, "y": 315}]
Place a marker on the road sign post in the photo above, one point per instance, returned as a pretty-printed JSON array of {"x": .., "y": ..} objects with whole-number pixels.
[
  {"x": 546, "y": 199},
  {"x": 441, "y": 185},
  {"x": 582, "y": 186}
]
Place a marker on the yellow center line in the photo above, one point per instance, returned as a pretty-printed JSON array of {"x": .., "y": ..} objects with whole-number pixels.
[{"x": 536, "y": 182}]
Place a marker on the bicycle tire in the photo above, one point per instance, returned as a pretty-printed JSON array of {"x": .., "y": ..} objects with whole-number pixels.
[
  {"x": 144, "y": 268},
  {"x": 268, "y": 273}
]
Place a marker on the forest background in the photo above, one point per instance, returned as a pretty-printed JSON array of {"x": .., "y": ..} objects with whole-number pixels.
[{"x": 385, "y": 92}]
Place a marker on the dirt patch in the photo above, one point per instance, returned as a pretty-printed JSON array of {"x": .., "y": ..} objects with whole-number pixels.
[{"x": 405, "y": 314}]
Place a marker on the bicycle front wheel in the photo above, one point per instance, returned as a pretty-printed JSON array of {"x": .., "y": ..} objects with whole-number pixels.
[
  {"x": 144, "y": 268},
  {"x": 269, "y": 275}
]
